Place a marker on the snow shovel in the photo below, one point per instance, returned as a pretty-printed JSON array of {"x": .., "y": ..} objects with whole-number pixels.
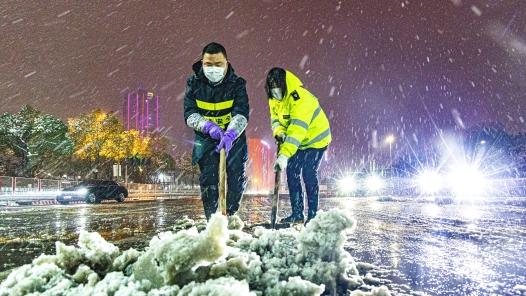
[
  {"x": 275, "y": 201},
  {"x": 274, "y": 213},
  {"x": 222, "y": 180}
]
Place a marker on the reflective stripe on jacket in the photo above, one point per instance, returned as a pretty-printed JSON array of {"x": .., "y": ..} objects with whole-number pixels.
[
  {"x": 300, "y": 116},
  {"x": 217, "y": 112}
]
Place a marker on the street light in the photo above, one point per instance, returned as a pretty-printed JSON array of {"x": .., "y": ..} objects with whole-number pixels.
[{"x": 390, "y": 140}]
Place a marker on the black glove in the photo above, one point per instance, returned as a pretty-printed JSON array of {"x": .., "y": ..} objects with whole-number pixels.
[{"x": 280, "y": 138}]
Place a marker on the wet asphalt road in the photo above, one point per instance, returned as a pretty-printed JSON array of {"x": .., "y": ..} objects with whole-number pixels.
[{"x": 418, "y": 248}]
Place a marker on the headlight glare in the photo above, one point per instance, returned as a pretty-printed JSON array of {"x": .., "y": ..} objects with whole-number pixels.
[
  {"x": 347, "y": 184},
  {"x": 374, "y": 183},
  {"x": 429, "y": 182}
]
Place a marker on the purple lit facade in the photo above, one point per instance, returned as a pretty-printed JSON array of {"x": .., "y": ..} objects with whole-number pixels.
[{"x": 142, "y": 112}]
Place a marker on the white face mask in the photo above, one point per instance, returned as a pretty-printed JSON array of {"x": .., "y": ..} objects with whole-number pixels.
[
  {"x": 276, "y": 93},
  {"x": 214, "y": 74}
]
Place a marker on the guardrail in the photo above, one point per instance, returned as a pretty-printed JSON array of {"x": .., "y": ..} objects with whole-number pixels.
[
  {"x": 16, "y": 185},
  {"x": 48, "y": 198},
  {"x": 31, "y": 190}
]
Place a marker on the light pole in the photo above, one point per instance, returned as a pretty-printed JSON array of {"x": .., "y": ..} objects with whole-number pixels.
[{"x": 390, "y": 140}]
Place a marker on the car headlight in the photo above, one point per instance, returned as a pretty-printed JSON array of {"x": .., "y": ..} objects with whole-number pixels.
[
  {"x": 467, "y": 181},
  {"x": 374, "y": 183},
  {"x": 429, "y": 182},
  {"x": 82, "y": 191},
  {"x": 347, "y": 184}
]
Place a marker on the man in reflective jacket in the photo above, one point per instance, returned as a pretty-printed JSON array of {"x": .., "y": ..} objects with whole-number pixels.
[
  {"x": 216, "y": 107},
  {"x": 302, "y": 132}
]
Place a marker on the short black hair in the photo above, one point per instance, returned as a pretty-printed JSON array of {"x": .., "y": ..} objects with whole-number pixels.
[
  {"x": 276, "y": 75},
  {"x": 213, "y": 48}
]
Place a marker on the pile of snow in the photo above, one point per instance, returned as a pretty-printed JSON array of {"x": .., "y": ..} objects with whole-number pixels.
[{"x": 216, "y": 261}]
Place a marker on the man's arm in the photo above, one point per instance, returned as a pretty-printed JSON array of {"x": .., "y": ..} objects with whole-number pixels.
[
  {"x": 240, "y": 110},
  {"x": 192, "y": 117},
  {"x": 197, "y": 122},
  {"x": 240, "y": 106}
]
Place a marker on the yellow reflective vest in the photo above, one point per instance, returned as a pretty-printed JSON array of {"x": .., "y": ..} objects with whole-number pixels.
[{"x": 300, "y": 116}]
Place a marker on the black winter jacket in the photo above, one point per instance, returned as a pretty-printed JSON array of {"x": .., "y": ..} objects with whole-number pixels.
[{"x": 198, "y": 86}]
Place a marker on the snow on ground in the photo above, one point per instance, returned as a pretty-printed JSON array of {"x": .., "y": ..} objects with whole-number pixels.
[{"x": 219, "y": 260}]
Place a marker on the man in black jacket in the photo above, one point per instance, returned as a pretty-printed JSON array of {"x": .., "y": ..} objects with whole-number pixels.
[{"x": 216, "y": 107}]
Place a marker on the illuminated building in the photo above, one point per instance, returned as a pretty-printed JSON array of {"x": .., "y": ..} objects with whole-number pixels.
[
  {"x": 141, "y": 112},
  {"x": 260, "y": 177}
]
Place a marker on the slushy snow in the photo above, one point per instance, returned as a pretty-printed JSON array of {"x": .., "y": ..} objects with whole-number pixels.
[{"x": 219, "y": 260}]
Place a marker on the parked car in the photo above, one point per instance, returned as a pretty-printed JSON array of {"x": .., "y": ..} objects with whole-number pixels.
[{"x": 93, "y": 191}]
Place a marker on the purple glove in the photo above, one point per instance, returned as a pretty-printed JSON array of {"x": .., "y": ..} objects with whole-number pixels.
[
  {"x": 226, "y": 142},
  {"x": 213, "y": 130}
]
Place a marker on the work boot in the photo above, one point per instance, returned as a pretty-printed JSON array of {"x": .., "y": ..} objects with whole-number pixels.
[
  {"x": 210, "y": 198},
  {"x": 312, "y": 202},
  {"x": 296, "y": 202}
]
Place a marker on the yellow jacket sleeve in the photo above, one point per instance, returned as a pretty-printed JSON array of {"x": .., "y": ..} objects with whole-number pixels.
[{"x": 275, "y": 124}]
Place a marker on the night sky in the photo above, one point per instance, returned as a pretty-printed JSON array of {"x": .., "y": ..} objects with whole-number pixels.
[{"x": 408, "y": 68}]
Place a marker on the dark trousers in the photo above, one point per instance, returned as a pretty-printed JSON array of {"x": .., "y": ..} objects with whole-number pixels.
[
  {"x": 235, "y": 171},
  {"x": 305, "y": 163}
]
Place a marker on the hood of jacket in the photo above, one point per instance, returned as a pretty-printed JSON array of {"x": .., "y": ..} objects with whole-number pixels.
[
  {"x": 293, "y": 83},
  {"x": 197, "y": 67}
]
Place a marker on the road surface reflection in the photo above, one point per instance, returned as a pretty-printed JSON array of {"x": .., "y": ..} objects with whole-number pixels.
[{"x": 415, "y": 246}]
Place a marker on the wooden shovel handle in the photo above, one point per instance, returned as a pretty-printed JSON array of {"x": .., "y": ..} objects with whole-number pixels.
[{"x": 222, "y": 181}]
